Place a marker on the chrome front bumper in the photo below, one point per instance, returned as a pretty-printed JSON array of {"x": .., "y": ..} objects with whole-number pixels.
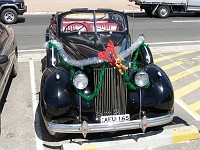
[{"x": 85, "y": 128}]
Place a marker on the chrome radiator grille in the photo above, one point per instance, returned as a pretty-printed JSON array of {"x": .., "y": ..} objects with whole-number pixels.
[{"x": 112, "y": 98}]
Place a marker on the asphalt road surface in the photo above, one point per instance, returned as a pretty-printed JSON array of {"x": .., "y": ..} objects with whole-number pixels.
[
  {"x": 179, "y": 29},
  {"x": 21, "y": 124}
]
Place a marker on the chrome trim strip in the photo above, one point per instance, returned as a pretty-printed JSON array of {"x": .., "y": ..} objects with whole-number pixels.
[{"x": 107, "y": 127}]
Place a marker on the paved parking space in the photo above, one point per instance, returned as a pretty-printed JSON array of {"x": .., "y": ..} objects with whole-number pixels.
[
  {"x": 188, "y": 76},
  {"x": 22, "y": 127}
]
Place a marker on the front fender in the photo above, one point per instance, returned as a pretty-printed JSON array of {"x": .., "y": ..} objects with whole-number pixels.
[
  {"x": 157, "y": 100},
  {"x": 54, "y": 97},
  {"x": 13, "y": 6}
]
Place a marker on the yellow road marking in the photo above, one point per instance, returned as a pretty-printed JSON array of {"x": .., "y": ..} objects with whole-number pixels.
[
  {"x": 172, "y": 56},
  {"x": 184, "y": 91},
  {"x": 186, "y": 133},
  {"x": 172, "y": 65},
  {"x": 187, "y": 89},
  {"x": 185, "y": 106},
  {"x": 195, "y": 106},
  {"x": 184, "y": 73}
]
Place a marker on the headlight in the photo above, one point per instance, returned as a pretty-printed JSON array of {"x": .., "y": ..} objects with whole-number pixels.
[
  {"x": 80, "y": 81},
  {"x": 141, "y": 79}
]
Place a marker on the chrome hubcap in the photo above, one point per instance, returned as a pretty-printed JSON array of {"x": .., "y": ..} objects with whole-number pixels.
[
  {"x": 9, "y": 16},
  {"x": 163, "y": 12}
]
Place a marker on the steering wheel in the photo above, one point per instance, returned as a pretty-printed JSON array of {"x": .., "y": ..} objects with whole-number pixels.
[{"x": 76, "y": 23}]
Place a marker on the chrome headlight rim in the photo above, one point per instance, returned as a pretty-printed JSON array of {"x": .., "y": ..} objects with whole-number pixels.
[
  {"x": 141, "y": 78},
  {"x": 80, "y": 81}
]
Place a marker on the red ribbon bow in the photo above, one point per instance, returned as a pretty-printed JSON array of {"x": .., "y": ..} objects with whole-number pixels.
[{"x": 109, "y": 54}]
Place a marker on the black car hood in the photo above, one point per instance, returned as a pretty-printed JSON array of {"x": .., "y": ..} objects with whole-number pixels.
[{"x": 82, "y": 48}]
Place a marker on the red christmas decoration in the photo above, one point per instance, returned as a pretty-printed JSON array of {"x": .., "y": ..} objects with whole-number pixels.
[{"x": 110, "y": 55}]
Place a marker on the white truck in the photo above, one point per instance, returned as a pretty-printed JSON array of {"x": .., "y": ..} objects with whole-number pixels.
[{"x": 163, "y": 8}]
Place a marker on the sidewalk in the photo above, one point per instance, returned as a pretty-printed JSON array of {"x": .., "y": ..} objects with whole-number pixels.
[{"x": 64, "y": 5}]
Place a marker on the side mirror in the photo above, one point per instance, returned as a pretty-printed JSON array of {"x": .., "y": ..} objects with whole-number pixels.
[{"x": 3, "y": 59}]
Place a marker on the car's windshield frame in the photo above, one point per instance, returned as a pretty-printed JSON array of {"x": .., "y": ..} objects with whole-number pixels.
[{"x": 93, "y": 20}]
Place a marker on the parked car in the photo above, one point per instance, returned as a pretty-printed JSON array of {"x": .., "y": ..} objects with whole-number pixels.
[
  {"x": 8, "y": 56},
  {"x": 95, "y": 80},
  {"x": 163, "y": 8},
  {"x": 11, "y": 9}
]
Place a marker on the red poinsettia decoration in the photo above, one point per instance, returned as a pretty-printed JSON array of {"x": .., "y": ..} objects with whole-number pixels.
[{"x": 110, "y": 55}]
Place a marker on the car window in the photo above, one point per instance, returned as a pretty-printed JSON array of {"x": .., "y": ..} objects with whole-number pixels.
[
  {"x": 3, "y": 36},
  {"x": 90, "y": 22}
]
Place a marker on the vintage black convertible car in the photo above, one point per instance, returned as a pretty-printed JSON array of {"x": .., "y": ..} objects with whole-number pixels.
[{"x": 95, "y": 80}]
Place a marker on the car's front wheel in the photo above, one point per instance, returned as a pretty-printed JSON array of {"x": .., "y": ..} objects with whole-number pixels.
[
  {"x": 9, "y": 16},
  {"x": 163, "y": 11}
]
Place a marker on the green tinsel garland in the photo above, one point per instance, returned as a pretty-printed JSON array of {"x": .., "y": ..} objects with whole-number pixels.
[
  {"x": 72, "y": 72},
  {"x": 69, "y": 67},
  {"x": 131, "y": 85},
  {"x": 97, "y": 89}
]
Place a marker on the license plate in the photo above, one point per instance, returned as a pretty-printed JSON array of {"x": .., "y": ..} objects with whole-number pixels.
[{"x": 115, "y": 118}]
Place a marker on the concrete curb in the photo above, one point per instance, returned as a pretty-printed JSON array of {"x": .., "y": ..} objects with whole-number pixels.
[
  {"x": 177, "y": 48},
  {"x": 52, "y": 12},
  {"x": 141, "y": 141}
]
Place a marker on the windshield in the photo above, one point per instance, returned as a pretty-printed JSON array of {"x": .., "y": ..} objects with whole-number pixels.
[
  {"x": 93, "y": 22},
  {"x": 92, "y": 41}
]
